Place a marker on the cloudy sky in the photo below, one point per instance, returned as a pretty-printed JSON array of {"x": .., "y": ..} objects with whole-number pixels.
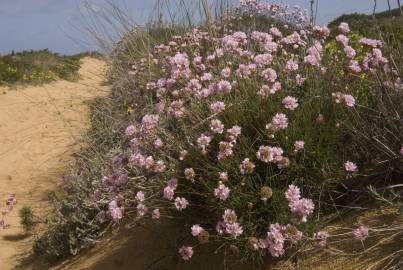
[{"x": 60, "y": 25}]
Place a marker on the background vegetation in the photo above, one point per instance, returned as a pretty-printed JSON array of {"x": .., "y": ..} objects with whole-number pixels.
[{"x": 36, "y": 67}]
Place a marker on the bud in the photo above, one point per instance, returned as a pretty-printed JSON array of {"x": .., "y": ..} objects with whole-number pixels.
[
  {"x": 320, "y": 119},
  {"x": 266, "y": 193},
  {"x": 285, "y": 162},
  {"x": 203, "y": 237},
  {"x": 253, "y": 243},
  {"x": 234, "y": 249}
]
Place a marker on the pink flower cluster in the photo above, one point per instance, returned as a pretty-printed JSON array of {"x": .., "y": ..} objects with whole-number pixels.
[
  {"x": 115, "y": 211},
  {"x": 229, "y": 225},
  {"x": 348, "y": 100},
  {"x": 10, "y": 203},
  {"x": 300, "y": 208}
]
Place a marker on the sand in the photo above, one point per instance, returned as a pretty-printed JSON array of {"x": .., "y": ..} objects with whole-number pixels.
[{"x": 40, "y": 126}]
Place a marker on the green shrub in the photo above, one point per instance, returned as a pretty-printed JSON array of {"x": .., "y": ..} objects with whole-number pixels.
[
  {"x": 35, "y": 67},
  {"x": 27, "y": 218}
]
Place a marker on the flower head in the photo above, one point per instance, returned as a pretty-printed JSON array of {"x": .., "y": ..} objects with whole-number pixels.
[
  {"x": 181, "y": 203},
  {"x": 361, "y": 233},
  {"x": 186, "y": 253},
  {"x": 350, "y": 166},
  {"x": 196, "y": 229}
]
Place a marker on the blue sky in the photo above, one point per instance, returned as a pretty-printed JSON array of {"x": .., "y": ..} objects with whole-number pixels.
[{"x": 60, "y": 24}]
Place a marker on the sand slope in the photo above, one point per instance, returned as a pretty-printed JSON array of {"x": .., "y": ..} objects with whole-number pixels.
[{"x": 39, "y": 128}]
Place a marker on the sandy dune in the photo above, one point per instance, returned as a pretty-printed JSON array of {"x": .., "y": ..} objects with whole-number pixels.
[{"x": 39, "y": 128}]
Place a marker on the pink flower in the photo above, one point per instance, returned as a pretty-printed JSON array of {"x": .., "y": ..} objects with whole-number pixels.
[
  {"x": 350, "y": 166},
  {"x": 342, "y": 39},
  {"x": 169, "y": 192},
  {"x": 401, "y": 151},
  {"x": 190, "y": 174},
  {"x": 149, "y": 122},
  {"x": 269, "y": 154},
  {"x": 233, "y": 229},
  {"x": 158, "y": 143},
  {"x": 150, "y": 85},
  {"x": 203, "y": 142},
  {"x": 194, "y": 85},
  {"x": 354, "y": 66},
  {"x": 291, "y": 65},
  {"x": 101, "y": 217},
  {"x": 321, "y": 238},
  {"x": 222, "y": 192},
  {"x": 275, "y": 240},
  {"x": 224, "y": 86},
  {"x": 229, "y": 216},
  {"x": 181, "y": 203},
  {"x": 173, "y": 183},
  {"x": 350, "y": 52},
  {"x": 293, "y": 193},
  {"x": 183, "y": 154},
  {"x": 206, "y": 77},
  {"x": 263, "y": 59},
  {"x": 130, "y": 130},
  {"x": 233, "y": 133},
  {"x": 314, "y": 54},
  {"x": 269, "y": 74},
  {"x": 159, "y": 166},
  {"x": 275, "y": 32},
  {"x": 179, "y": 66},
  {"x": 225, "y": 150},
  {"x": 156, "y": 214},
  {"x": 176, "y": 109},
  {"x": 196, "y": 229},
  {"x": 217, "y": 106},
  {"x": 279, "y": 121},
  {"x": 344, "y": 28},
  {"x": 223, "y": 176},
  {"x": 137, "y": 160},
  {"x": 290, "y": 103},
  {"x": 149, "y": 162},
  {"x": 300, "y": 208},
  {"x": 299, "y": 145},
  {"x": 299, "y": 80},
  {"x": 246, "y": 166},
  {"x": 361, "y": 233},
  {"x": 141, "y": 210},
  {"x": 349, "y": 100},
  {"x": 140, "y": 196},
  {"x": 216, "y": 126},
  {"x": 115, "y": 211},
  {"x": 226, "y": 72},
  {"x": 371, "y": 42},
  {"x": 244, "y": 71},
  {"x": 186, "y": 252},
  {"x": 266, "y": 90}
]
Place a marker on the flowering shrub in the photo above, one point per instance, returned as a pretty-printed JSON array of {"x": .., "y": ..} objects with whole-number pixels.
[
  {"x": 236, "y": 122},
  {"x": 244, "y": 129}
]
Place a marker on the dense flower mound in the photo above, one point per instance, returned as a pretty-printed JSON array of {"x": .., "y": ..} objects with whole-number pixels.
[
  {"x": 239, "y": 125},
  {"x": 244, "y": 129}
]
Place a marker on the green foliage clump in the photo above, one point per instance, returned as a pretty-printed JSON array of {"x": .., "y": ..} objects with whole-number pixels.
[
  {"x": 27, "y": 219},
  {"x": 36, "y": 67}
]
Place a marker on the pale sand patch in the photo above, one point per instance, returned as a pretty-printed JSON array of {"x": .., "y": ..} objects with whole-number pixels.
[{"x": 40, "y": 126}]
